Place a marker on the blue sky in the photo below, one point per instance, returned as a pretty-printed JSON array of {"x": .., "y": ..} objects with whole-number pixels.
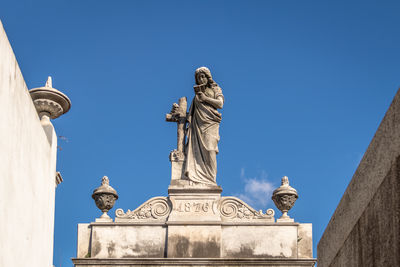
[{"x": 306, "y": 84}]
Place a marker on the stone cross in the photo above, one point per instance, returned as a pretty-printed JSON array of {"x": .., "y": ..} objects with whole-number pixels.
[{"x": 178, "y": 115}]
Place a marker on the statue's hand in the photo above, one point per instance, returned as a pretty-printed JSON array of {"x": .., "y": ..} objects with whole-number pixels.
[
  {"x": 201, "y": 96},
  {"x": 199, "y": 88}
]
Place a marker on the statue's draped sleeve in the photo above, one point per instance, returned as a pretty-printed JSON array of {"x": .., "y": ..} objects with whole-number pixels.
[{"x": 202, "y": 140}]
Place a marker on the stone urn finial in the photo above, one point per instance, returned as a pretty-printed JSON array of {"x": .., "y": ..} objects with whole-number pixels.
[
  {"x": 49, "y": 102},
  {"x": 284, "y": 198},
  {"x": 105, "y": 197}
]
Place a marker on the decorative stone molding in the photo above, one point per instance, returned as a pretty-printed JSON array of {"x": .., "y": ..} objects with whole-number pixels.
[
  {"x": 284, "y": 198},
  {"x": 49, "y": 106},
  {"x": 155, "y": 209},
  {"x": 234, "y": 209},
  {"x": 104, "y": 197},
  {"x": 49, "y": 101}
]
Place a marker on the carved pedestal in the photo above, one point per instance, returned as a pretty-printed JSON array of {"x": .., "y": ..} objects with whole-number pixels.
[
  {"x": 194, "y": 225},
  {"x": 177, "y": 159},
  {"x": 194, "y": 205}
]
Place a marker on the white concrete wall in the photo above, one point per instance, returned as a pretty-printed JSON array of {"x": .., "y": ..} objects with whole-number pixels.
[{"x": 27, "y": 172}]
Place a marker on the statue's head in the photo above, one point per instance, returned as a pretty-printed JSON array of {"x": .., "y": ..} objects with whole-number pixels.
[{"x": 203, "y": 76}]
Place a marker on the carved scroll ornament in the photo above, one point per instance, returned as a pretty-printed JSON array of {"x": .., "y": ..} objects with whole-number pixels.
[
  {"x": 155, "y": 209},
  {"x": 234, "y": 209}
]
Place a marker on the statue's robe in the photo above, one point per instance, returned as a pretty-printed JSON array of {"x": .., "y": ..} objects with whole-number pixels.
[{"x": 202, "y": 139}]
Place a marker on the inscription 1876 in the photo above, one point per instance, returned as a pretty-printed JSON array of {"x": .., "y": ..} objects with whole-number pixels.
[{"x": 193, "y": 207}]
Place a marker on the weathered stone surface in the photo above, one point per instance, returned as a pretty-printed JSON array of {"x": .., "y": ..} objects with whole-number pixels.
[
  {"x": 304, "y": 241},
  {"x": 194, "y": 262},
  {"x": 127, "y": 241},
  {"x": 195, "y": 225},
  {"x": 196, "y": 222},
  {"x": 83, "y": 246},
  {"x": 375, "y": 239},
  {"x": 204, "y": 239},
  {"x": 362, "y": 231},
  {"x": 259, "y": 241},
  {"x": 194, "y": 241}
]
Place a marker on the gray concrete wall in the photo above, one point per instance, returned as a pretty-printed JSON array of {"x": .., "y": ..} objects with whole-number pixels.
[
  {"x": 27, "y": 172},
  {"x": 364, "y": 230}
]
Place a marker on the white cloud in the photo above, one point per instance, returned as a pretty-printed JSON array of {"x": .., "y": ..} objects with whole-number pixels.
[{"x": 257, "y": 190}]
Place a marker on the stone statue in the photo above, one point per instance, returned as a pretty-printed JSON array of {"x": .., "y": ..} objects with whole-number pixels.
[
  {"x": 195, "y": 160},
  {"x": 203, "y": 130}
]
